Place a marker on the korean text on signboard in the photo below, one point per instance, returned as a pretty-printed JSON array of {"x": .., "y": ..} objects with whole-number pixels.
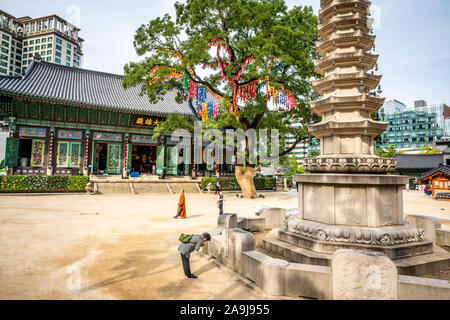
[{"x": 147, "y": 121}]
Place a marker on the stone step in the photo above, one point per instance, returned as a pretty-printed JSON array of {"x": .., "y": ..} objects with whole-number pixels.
[{"x": 435, "y": 262}]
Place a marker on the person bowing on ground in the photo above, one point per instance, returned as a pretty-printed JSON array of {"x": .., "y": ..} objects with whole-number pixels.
[{"x": 181, "y": 212}]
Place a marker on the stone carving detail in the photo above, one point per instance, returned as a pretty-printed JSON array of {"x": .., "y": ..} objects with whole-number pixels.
[
  {"x": 387, "y": 236},
  {"x": 354, "y": 164},
  {"x": 363, "y": 276}
]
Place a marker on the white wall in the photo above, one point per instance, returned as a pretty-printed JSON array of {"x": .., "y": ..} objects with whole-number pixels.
[{"x": 3, "y": 136}]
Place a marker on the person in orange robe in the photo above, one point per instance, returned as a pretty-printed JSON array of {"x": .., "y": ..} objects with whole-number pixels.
[{"x": 181, "y": 212}]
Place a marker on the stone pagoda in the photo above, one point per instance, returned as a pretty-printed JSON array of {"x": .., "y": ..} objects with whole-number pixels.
[{"x": 348, "y": 201}]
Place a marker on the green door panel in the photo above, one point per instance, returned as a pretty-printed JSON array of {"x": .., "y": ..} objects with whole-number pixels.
[{"x": 12, "y": 152}]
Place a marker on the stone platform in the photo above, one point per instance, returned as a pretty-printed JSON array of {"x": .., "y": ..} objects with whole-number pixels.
[{"x": 437, "y": 261}]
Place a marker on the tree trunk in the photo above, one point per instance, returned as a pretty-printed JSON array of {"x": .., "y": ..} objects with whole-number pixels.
[{"x": 245, "y": 180}]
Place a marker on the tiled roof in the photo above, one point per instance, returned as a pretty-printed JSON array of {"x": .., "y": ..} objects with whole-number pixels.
[
  {"x": 49, "y": 81},
  {"x": 444, "y": 169},
  {"x": 419, "y": 161}
]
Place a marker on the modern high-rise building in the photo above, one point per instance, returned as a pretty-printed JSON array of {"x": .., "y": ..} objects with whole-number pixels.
[
  {"x": 414, "y": 128},
  {"x": 301, "y": 149},
  {"x": 51, "y": 37}
]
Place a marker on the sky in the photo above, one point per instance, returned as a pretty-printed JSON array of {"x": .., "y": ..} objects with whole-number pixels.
[{"x": 412, "y": 38}]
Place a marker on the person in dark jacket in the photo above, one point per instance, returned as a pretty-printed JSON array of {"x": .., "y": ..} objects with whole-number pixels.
[
  {"x": 220, "y": 202},
  {"x": 217, "y": 187},
  {"x": 185, "y": 249}
]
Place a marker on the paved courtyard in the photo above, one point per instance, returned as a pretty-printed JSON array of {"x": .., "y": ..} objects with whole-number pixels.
[{"x": 124, "y": 247}]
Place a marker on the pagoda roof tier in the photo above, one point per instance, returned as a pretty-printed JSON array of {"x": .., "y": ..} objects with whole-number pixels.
[
  {"x": 346, "y": 80},
  {"x": 342, "y": 103},
  {"x": 344, "y": 22},
  {"x": 351, "y": 38},
  {"x": 335, "y": 7},
  {"x": 367, "y": 127},
  {"x": 345, "y": 59}
]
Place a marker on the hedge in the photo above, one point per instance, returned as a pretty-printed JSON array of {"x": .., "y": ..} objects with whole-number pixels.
[
  {"x": 231, "y": 184},
  {"x": 41, "y": 183}
]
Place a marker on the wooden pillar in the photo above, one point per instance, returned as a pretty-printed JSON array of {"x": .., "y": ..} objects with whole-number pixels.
[
  {"x": 191, "y": 165},
  {"x": 165, "y": 158},
  {"x": 50, "y": 154},
  {"x": 125, "y": 155},
  {"x": 87, "y": 157}
]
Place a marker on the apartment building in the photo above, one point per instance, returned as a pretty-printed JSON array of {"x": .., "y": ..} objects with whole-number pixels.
[{"x": 51, "y": 37}]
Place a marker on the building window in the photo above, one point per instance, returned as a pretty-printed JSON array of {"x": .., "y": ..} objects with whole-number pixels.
[
  {"x": 43, "y": 46},
  {"x": 25, "y": 50},
  {"x": 25, "y": 43},
  {"x": 49, "y": 58},
  {"x": 49, "y": 45},
  {"x": 49, "y": 52},
  {"x": 3, "y": 64},
  {"x": 50, "y": 39},
  {"x": 68, "y": 52},
  {"x": 5, "y": 50},
  {"x": 36, "y": 48},
  {"x": 68, "y": 58},
  {"x": 58, "y": 53},
  {"x": 58, "y": 47},
  {"x": 76, "y": 56},
  {"x": 31, "y": 42},
  {"x": 25, "y": 62},
  {"x": 3, "y": 71},
  {"x": 42, "y": 53},
  {"x": 44, "y": 40},
  {"x": 4, "y": 36},
  {"x": 57, "y": 60},
  {"x": 38, "y": 41},
  {"x": 69, "y": 46},
  {"x": 58, "y": 41},
  {"x": 4, "y": 43},
  {"x": 67, "y": 64}
]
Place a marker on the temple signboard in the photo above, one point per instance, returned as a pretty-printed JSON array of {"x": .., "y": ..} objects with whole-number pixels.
[{"x": 147, "y": 121}]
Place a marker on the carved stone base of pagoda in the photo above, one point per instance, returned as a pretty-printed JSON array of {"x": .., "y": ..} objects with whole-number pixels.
[
  {"x": 350, "y": 164},
  {"x": 341, "y": 211},
  {"x": 396, "y": 241},
  {"x": 359, "y": 212}
]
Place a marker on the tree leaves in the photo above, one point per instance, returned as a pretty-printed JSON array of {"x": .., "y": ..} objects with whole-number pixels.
[{"x": 264, "y": 31}]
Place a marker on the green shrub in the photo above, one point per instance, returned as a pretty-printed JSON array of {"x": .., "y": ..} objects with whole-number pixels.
[
  {"x": 231, "y": 184},
  {"x": 41, "y": 183},
  {"x": 77, "y": 183}
]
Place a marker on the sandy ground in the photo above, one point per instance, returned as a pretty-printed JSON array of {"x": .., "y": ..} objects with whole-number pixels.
[
  {"x": 49, "y": 250},
  {"x": 123, "y": 247},
  {"x": 416, "y": 202}
]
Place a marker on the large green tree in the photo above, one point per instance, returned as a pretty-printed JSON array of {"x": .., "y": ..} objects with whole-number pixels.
[{"x": 226, "y": 45}]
